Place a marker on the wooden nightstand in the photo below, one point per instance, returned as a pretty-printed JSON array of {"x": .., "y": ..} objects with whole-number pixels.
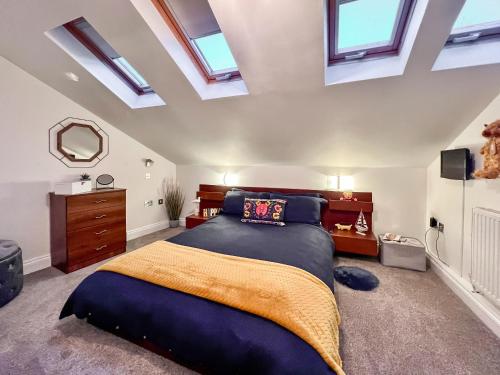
[
  {"x": 346, "y": 212},
  {"x": 195, "y": 220},
  {"x": 351, "y": 242}
]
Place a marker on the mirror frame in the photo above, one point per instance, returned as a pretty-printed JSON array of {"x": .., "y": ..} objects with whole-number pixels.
[
  {"x": 69, "y": 156},
  {"x": 63, "y": 157}
]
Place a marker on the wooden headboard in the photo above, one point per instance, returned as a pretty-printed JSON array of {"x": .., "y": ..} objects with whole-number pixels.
[{"x": 336, "y": 211}]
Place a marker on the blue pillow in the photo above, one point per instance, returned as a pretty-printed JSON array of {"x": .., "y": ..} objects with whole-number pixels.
[
  {"x": 235, "y": 199},
  {"x": 301, "y": 209}
]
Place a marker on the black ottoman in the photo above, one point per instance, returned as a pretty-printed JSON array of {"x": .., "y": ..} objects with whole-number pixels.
[{"x": 11, "y": 271}]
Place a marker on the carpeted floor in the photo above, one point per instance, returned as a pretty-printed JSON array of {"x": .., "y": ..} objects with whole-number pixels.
[{"x": 411, "y": 324}]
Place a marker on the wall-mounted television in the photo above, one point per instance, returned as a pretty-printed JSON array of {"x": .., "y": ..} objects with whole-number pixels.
[{"x": 456, "y": 164}]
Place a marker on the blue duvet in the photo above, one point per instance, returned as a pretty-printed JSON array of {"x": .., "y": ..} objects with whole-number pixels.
[{"x": 204, "y": 335}]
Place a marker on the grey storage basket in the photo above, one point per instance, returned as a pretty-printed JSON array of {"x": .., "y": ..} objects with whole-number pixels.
[{"x": 409, "y": 254}]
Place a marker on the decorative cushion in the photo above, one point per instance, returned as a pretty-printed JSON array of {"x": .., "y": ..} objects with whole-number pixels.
[
  {"x": 234, "y": 200},
  {"x": 302, "y": 209},
  {"x": 11, "y": 271},
  {"x": 264, "y": 211},
  {"x": 355, "y": 278}
]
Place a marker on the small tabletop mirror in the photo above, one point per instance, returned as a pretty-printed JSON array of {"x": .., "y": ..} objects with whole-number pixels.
[
  {"x": 79, "y": 142},
  {"x": 105, "y": 181}
]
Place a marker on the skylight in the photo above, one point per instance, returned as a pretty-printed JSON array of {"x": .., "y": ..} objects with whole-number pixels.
[
  {"x": 363, "y": 28},
  {"x": 216, "y": 53},
  {"x": 197, "y": 29},
  {"x": 129, "y": 70},
  {"x": 479, "y": 19},
  {"x": 95, "y": 43}
]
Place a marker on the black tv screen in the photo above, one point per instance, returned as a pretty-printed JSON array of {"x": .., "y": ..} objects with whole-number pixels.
[{"x": 456, "y": 164}]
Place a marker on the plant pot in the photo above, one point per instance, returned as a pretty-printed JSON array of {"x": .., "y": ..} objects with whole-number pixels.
[{"x": 173, "y": 223}]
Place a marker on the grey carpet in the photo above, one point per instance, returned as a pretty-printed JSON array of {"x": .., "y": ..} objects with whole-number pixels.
[{"x": 411, "y": 324}]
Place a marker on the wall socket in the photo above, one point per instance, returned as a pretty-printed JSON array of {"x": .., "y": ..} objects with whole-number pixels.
[
  {"x": 440, "y": 227},
  {"x": 148, "y": 203}
]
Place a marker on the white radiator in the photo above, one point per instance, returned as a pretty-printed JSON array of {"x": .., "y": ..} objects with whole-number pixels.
[{"x": 485, "y": 267}]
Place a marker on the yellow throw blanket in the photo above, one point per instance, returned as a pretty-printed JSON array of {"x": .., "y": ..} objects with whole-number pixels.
[{"x": 286, "y": 295}]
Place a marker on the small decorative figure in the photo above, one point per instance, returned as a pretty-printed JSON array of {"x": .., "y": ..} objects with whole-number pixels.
[
  {"x": 490, "y": 152},
  {"x": 347, "y": 196},
  {"x": 343, "y": 226},
  {"x": 361, "y": 225}
]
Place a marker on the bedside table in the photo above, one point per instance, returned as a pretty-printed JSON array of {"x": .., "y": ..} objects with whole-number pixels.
[
  {"x": 195, "y": 220},
  {"x": 351, "y": 242}
]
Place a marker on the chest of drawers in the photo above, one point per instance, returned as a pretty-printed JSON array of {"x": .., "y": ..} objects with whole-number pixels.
[{"x": 87, "y": 228}]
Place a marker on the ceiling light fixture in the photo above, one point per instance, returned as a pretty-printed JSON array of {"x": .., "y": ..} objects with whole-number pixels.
[{"x": 72, "y": 76}]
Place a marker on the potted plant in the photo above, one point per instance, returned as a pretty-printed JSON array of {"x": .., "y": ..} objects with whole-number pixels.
[
  {"x": 174, "y": 201},
  {"x": 84, "y": 177},
  {"x": 85, "y": 183}
]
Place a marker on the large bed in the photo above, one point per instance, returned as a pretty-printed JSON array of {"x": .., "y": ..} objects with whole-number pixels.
[{"x": 204, "y": 335}]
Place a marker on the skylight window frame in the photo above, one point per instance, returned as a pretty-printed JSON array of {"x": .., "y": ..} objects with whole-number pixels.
[
  {"x": 401, "y": 26},
  {"x": 486, "y": 31},
  {"x": 194, "y": 53},
  {"x": 104, "y": 58}
]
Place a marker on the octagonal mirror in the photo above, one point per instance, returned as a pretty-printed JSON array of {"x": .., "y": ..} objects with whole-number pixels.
[{"x": 79, "y": 142}]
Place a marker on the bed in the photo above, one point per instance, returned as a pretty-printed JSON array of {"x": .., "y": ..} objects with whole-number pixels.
[{"x": 203, "y": 335}]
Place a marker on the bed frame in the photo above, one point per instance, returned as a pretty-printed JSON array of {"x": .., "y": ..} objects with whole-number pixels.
[
  {"x": 212, "y": 196},
  {"x": 337, "y": 211}
]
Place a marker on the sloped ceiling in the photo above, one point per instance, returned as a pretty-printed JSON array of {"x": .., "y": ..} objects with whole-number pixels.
[{"x": 290, "y": 117}]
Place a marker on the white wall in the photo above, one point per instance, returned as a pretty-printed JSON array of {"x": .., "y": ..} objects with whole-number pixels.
[
  {"x": 398, "y": 193},
  {"x": 28, "y": 108},
  {"x": 444, "y": 199}
]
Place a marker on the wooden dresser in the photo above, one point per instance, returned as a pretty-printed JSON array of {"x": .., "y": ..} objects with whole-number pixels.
[{"x": 87, "y": 228}]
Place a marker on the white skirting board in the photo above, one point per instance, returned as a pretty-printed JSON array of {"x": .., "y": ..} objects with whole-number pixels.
[
  {"x": 483, "y": 309},
  {"x": 147, "y": 229},
  {"x": 36, "y": 264}
]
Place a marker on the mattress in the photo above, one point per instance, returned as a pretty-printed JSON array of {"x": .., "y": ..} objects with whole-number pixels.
[{"x": 204, "y": 335}]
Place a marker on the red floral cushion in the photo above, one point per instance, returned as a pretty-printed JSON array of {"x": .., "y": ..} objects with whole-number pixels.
[{"x": 264, "y": 211}]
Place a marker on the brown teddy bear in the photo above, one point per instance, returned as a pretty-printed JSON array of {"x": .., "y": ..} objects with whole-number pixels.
[{"x": 490, "y": 152}]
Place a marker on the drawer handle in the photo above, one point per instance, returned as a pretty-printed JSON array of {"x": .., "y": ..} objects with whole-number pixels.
[
  {"x": 101, "y": 247},
  {"x": 100, "y": 201},
  {"x": 101, "y": 232},
  {"x": 100, "y": 217}
]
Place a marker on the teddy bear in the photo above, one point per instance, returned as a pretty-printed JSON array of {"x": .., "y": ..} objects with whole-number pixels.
[{"x": 490, "y": 152}]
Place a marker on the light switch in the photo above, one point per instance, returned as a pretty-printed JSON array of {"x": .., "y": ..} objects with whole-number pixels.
[{"x": 148, "y": 176}]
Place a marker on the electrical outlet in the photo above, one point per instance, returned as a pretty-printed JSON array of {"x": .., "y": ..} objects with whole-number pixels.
[
  {"x": 148, "y": 176},
  {"x": 160, "y": 201},
  {"x": 148, "y": 203},
  {"x": 440, "y": 227}
]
